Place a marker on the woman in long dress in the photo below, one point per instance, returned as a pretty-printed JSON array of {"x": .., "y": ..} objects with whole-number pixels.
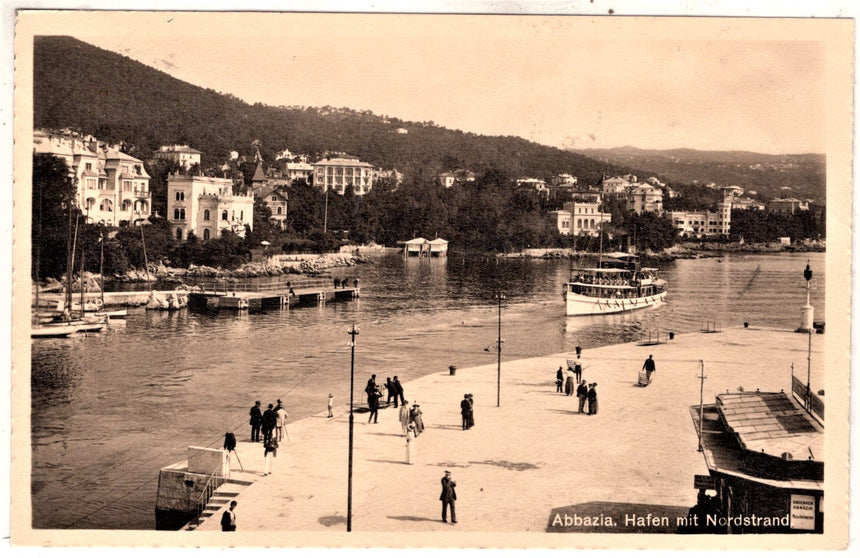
[
  {"x": 410, "y": 444},
  {"x": 568, "y": 384},
  {"x": 416, "y": 418}
]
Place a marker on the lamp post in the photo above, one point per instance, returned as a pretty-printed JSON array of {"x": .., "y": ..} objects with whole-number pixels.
[
  {"x": 808, "y": 323},
  {"x": 265, "y": 245},
  {"x": 352, "y": 332},
  {"x": 500, "y": 298}
]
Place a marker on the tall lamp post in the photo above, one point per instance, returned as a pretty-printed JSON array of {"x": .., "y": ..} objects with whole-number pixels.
[
  {"x": 353, "y": 332},
  {"x": 500, "y": 298},
  {"x": 808, "y": 323}
]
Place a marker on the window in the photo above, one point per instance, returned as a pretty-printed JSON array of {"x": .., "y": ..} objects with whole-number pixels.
[
  {"x": 280, "y": 210},
  {"x": 224, "y": 215},
  {"x": 206, "y": 215},
  {"x": 205, "y": 234},
  {"x": 106, "y": 205},
  {"x": 179, "y": 214},
  {"x": 89, "y": 166},
  {"x": 180, "y": 196},
  {"x": 182, "y": 214},
  {"x": 241, "y": 215},
  {"x": 579, "y": 223},
  {"x": 176, "y": 214},
  {"x": 274, "y": 198},
  {"x": 178, "y": 234}
]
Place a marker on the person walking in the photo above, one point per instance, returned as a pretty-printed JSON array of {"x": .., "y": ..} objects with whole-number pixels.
[
  {"x": 228, "y": 518},
  {"x": 398, "y": 388},
  {"x": 448, "y": 497},
  {"x": 559, "y": 380},
  {"x": 415, "y": 416},
  {"x": 592, "y": 399},
  {"x": 392, "y": 392},
  {"x": 373, "y": 402},
  {"x": 256, "y": 421},
  {"x": 582, "y": 394},
  {"x": 649, "y": 367},
  {"x": 465, "y": 408},
  {"x": 410, "y": 444},
  {"x": 330, "y": 405},
  {"x": 269, "y": 421},
  {"x": 405, "y": 417},
  {"x": 269, "y": 453}
]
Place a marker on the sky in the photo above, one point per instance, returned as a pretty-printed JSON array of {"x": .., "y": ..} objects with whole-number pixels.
[{"x": 571, "y": 82}]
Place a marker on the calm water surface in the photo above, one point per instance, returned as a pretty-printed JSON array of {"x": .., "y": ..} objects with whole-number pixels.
[{"x": 109, "y": 410}]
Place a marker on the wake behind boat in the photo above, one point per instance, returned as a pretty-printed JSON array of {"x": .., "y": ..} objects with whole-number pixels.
[{"x": 618, "y": 284}]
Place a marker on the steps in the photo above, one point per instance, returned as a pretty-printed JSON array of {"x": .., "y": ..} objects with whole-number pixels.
[{"x": 220, "y": 500}]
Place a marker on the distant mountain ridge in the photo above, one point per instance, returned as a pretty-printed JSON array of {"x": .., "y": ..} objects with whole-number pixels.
[
  {"x": 117, "y": 99},
  {"x": 799, "y": 175}
]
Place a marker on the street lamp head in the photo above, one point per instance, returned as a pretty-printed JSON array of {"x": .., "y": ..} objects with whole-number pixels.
[{"x": 807, "y": 273}]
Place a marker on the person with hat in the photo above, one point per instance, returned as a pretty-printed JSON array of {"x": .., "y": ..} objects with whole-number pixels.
[
  {"x": 559, "y": 380},
  {"x": 410, "y": 444},
  {"x": 280, "y": 420},
  {"x": 592, "y": 399},
  {"x": 465, "y": 409},
  {"x": 448, "y": 497},
  {"x": 582, "y": 394},
  {"x": 268, "y": 425},
  {"x": 415, "y": 416},
  {"x": 405, "y": 417},
  {"x": 256, "y": 421},
  {"x": 471, "y": 418}
]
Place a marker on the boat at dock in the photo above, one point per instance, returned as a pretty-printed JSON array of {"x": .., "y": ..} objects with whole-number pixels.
[{"x": 617, "y": 284}]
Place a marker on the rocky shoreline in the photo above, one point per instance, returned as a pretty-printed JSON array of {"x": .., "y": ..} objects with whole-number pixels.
[{"x": 686, "y": 251}]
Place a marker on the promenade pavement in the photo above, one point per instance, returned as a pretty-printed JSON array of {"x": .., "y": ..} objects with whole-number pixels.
[{"x": 532, "y": 454}]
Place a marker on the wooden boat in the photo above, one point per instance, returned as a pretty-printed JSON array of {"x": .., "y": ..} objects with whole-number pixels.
[
  {"x": 48, "y": 331},
  {"x": 618, "y": 284}
]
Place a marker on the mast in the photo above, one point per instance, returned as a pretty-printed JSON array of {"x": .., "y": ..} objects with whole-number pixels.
[
  {"x": 83, "y": 302},
  {"x": 101, "y": 267}
]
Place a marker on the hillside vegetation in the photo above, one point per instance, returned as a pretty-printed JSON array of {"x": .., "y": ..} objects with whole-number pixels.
[
  {"x": 117, "y": 99},
  {"x": 771, "y": 176}
]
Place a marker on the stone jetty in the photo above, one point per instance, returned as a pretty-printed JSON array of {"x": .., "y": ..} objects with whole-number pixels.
[{"x": 531, "y": 455}]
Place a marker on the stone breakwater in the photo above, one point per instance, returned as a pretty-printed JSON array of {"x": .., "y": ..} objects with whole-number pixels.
[{"x": 283, "y": 265}]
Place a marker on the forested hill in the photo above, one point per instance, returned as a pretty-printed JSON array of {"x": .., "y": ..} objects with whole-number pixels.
[
  {"x": 98, "y": 92},
  {"x": 772, "y": 176}
]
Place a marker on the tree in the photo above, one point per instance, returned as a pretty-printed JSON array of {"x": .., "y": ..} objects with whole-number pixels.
[{"x": 53, "y": 195}]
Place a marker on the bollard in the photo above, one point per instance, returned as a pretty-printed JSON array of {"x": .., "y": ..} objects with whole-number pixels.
[
  {"x": 671, "y": 335},
  {"x": 452, "y": 370}
]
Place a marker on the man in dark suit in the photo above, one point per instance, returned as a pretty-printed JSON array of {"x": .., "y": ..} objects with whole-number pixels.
[
  {"x": 399, "y": 388},
  {"x": 370, "y": 387},
  {"x": 270, "y": 419},
  {"x": 465, "y": 409},
  {"x": 392, "y": 392},
  {"x": 256, "y": 421},
  {"x": 448, "y": 497},
  {"x": 228, "y": 519}
]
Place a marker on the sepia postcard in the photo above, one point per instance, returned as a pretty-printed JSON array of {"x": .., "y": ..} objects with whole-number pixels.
[{"x": 431, "y": 280}]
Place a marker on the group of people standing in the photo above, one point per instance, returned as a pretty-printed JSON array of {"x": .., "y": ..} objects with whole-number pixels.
[
  {"x": 272, "y": 423},
  {"x": 573, "y": 384},
  {"x": 373, "y": 390},
  {"x": 467, "y": 411}
]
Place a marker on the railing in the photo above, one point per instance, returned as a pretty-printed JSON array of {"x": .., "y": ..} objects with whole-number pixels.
[
  {"x": 206, "y": 493},
  {"x": 811, "y": 402},
  {"x": 272, "y": 286}
]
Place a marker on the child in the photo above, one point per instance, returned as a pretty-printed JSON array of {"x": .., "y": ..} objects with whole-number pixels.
[{"x": 330, "y": 403}]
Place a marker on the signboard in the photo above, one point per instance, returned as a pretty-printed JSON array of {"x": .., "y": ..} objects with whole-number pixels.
[
  {"x": 703, "y": 482},
  {"x": 802, "y": 512}
]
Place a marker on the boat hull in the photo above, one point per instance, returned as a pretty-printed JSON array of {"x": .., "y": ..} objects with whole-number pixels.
[{"x": 580, "y": 305}]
